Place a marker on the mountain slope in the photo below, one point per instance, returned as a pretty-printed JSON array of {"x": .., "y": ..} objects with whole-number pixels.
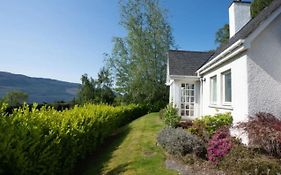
[{"x": 38, "y": 89}]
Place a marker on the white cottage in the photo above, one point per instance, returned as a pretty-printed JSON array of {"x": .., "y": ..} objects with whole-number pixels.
[{"x": 242, "y": 77}]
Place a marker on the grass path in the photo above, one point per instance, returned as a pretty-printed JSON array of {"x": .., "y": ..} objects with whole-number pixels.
[{"x": 132, "y": 151}]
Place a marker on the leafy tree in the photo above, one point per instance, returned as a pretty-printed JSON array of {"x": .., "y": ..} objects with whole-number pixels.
[
  {"x": 104, "y": 93},
  {"x": 138, "y": 61},
  {"x": 96, "y": 91},
  {"x": 259, "y": 5},
  {"x": 222, "y": 35},
  {"x": 87, "y": 90},
  {"x": 15, "y": 98}
]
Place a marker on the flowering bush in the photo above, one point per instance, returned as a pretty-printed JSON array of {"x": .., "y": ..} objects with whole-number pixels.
[
  {"x": 264, "y": 131},
  {"x": 206, "y": 126},
  {"x": 219, "y": 145}
]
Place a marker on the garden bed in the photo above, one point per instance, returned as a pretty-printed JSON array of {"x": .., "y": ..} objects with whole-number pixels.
[{"x": 205, "y": 146}]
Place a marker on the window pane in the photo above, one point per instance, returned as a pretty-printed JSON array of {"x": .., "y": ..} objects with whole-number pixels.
[
  {"x": 192, "y": 113},
  {"x": 214, "y": 89},
  {"x": 227, "y": 85},
  {"x": 192, "y": 99},
  {"x": 182, "y": 112}
]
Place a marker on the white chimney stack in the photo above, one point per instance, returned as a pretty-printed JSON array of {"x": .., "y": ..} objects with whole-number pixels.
[{"x": 239, "y": 15}]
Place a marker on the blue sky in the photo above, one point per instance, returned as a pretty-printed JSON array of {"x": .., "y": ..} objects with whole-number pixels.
[{"x": 63, "y": 39}]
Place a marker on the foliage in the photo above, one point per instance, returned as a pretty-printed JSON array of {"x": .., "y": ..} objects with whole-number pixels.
[
  {"x": 258, "y": 5},
  {"x": 242, "y": 160},
  {"x": 219, "y": 145},
  {"x": 222, "y": 35},
  {"x": 171, "y": 117},
  {"x": 87, "y": 90},
  {"x": 185, "y": 124},
  {"x": 96, "y": 91},
  {"x": 179, "y": 143},
  {"x": 48, "y": 141},
  {"x": 15, "y": 98},
  {"x": 264, "y": 131},
  {"x": 138, "y": 61},
  {"x": 206, "y": 126}
]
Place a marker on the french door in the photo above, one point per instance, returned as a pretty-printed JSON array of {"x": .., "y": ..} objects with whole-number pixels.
[{"x": 187, "y": 100}]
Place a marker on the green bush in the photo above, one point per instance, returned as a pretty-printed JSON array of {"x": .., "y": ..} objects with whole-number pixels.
[
  {"x": 179, "y": 143},
  {"x": 242, "y": 160},
  {"x": 206, "y": 126},
  {"x": 47, "y": 141},
  {"x": 171, "y": 117}
]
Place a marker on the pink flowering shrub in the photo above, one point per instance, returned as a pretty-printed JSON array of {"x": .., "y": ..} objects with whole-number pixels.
[{"x": 219, "y": 145}]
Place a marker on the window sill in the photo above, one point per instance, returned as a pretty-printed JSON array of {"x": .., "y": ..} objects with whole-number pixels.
[{"x": 221, "y": 107}]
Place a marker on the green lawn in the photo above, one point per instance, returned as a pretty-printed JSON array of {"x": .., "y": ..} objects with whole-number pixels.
[{"x": 132, "y": 150}]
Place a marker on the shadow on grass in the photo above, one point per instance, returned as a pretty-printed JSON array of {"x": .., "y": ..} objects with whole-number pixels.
[
  {"x": 118, "y": 170},
  {"x": 95, "y": 162}
]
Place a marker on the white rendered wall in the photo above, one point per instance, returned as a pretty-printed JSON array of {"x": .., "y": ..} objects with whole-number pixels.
[
  {"x": 239, "y": 15},
  {"x": 264, "y": 67},
  {"x": 239, "y": 105}
]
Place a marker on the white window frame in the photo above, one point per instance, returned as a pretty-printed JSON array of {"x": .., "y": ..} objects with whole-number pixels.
[
  {"x": 226, "y": 103},
  {"x": 212, "y": 101},
  {"x": 189, "y": 103}
]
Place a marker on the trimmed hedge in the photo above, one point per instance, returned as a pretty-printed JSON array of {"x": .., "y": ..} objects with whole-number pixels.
[{"x": 48, "y": 141}]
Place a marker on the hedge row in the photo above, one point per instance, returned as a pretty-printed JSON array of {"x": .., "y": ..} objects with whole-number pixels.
[{"x": 48, "y": 141}]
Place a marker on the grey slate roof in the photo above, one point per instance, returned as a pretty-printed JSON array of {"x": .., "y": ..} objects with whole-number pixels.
[
  {"x": 186, "y": 62},
  {"x": 250, "y": 26}
]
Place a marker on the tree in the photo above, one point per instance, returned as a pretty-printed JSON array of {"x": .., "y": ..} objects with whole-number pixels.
[
  {"x": 104, "y": 93},
  {"x": 15, "y": 98},
  {"x": 222, "y": 35},
  {"x": 96, "y": 91},
  {"x": 87, "y": 90},
  {"x": 259, "y": 5},
  {"x": 138, "y": 61}
]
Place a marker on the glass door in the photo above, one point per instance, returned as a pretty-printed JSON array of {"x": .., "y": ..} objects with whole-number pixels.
[{"x": 187, "y": 99}]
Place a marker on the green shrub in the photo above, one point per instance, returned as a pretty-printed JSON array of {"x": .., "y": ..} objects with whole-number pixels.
[
  {"x": 241, "y": 160},
  {"x": 171, "y": 117},
  {"x": 206, "y": 126},
  {"x": 179, "y": 143},
  {"x": 47, "y": 141}
]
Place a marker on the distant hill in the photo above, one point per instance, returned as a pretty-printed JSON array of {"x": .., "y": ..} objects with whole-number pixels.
[{"x": 38, "y": 89}]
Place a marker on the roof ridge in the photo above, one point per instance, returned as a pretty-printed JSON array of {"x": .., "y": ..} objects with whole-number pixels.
[{"x": 190, "y": 51}]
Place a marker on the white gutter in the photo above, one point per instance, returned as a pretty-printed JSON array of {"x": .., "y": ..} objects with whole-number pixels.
[
  {"x": 169, "y": 83},
  {"x": 224, "y": 56},
  {"x": 183, "y": 76}
]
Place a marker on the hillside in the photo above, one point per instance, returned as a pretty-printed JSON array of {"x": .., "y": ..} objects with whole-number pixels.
[{"x": 38, "y": 89}]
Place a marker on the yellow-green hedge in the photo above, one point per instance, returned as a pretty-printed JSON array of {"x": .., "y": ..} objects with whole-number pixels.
[{"x": 47, "y": 141}]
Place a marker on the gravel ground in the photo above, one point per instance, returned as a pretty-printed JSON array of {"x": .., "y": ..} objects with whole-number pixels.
[{"x": 183, "y": 169}]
